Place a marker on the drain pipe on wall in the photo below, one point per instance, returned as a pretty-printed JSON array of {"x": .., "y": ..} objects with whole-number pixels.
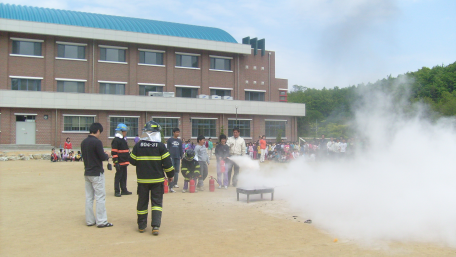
[
  {"x": 93, "y": 66},
  {"x": 237, "y": 77},
  {"x": 269, "y": 75},
  {"x": 56, "y": 122}
]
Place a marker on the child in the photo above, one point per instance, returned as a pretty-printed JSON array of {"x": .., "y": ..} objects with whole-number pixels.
[
  {"x": 68, "y": 146},
  {"x": 203, "y": 159},
  {"x": 251, "y": 150},
  {"x": 54, "y": 156},
  {"x": 78, "y": 157},
  {"x": 222, "y": 152},
  {"x": 190, "y": 168}
]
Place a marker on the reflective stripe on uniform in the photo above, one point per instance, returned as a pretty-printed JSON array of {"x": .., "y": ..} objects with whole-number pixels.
[
  {"x": 124, "y": 163},
  {"x": 142, "y": 212},
  {"x": 165, "y": 155},
  {"x": 115, "y": 156},
  {"x": 158, "y": 180},
  {"x": 114, "y": 150},
  {"x": 169, "y": 169},
  {"x": 133, "y": 156},
  {"x": 148, "y": 158},
  {"x": 156, "y": 208},
  {"x": 123, "y": 151}
]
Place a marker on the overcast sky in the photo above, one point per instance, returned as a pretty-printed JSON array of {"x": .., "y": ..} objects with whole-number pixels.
[{"x": 318, "y": 43}]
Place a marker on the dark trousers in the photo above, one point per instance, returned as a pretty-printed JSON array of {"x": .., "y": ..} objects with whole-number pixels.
[
  {"x": 229, "y": 165},
  {"x": 120, "y": 179},
  {"x": 176, "y": 164},
  {"x": 156, "y": 198}
]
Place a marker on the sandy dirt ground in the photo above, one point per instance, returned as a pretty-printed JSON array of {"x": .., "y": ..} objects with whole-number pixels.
[{"x": 42, "y": 214}]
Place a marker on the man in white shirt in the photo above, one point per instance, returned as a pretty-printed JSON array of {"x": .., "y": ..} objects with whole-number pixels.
[
  {"x": 329, "y": 147},
  {"x": 237, "y": 148},
  {"x": 343, "y": 148}
]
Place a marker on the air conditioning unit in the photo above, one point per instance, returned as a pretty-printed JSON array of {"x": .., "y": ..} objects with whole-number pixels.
[
  {"x": 155, "y": 93},
  {"x": 203, "y": 96},
  {"x": 227, "y": 98},
  {"x": 168, "y": 94},
  {"x": 216, "y": 97}
]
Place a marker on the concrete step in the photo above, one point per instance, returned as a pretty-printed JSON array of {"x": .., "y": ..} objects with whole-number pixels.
[{"x": 12, "y": 147}]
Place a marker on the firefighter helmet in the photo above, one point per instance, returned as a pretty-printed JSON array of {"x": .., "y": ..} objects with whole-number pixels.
[
  {"x": 152, "y": 126},
  {"x": 189, "y": 154}
]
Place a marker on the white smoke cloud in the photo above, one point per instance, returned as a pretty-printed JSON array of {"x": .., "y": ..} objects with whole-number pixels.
[{"x": 400, "y": 189}]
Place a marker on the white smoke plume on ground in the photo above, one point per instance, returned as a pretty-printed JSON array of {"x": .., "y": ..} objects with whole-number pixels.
[{"x": 401, "y": 189}]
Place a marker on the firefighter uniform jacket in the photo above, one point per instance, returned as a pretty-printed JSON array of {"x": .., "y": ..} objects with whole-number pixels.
[
  {"x": 151, "y": 160},
  {"x": 120, "y": 151},
  {"x": 190, "y": 169}
]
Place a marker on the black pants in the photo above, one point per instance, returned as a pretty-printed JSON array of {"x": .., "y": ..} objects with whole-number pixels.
[
  {"x": 156, "y": 197},
  {"x": 120, "y": 180},
  {"x": 236, "y": 173}
]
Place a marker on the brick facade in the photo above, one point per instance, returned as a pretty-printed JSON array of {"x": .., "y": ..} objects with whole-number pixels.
[{"x": 258, "y": 70}]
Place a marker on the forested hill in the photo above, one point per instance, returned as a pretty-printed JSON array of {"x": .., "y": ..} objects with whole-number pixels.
[{"x": 331, "y": 108}]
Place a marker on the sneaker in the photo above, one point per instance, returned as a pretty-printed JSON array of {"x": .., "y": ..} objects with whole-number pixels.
[
  {"x": 184, "y": 191},
  {"x": 126, "y": 193},
  {"x": 155, "y": 231},
  {"x": 117, "y": 195},
  {"x": 172, "y": 191},
  {"x": 107, "y": 225},
  {"x": 176, "y": 186},
  {"x": 200, "y": 189},
  {"x": 226, "y": 187},
  {"x": 141, "y": 230},
  {"x": 220, "y": 187}
]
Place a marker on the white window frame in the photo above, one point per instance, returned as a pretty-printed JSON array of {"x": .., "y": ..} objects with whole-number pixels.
[
  {"x": 28, "y": 40},
  {"x": 71, "y": 44},
  {"x": 286, "y": 121},
  {"x": 25, "y": 77},
  {"x": 114, "y": 47},
  {"x": 187, "y": 86},
  {"x": 165, "y": 117},
  {"x": 198, "y": 118},
  {"x": 76, "y": 115},
  {"x": 183, "y": 67},
  {"x": 242, "y": 119},
  {"x": 120, "y": 116},
  {"x": 220, "y": 57},
  {"x": 152, "y": 51},
  {"x": 222, "y": 88}
]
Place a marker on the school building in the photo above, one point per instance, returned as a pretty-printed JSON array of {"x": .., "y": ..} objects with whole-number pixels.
[{"x": 62, "y": 70}]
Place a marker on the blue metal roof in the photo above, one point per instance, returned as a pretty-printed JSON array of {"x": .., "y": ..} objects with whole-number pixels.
[{"x": 102, "y": 21}]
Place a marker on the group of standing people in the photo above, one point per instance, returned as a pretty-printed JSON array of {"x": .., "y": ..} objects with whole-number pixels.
[{"x": 153, "y": 159}]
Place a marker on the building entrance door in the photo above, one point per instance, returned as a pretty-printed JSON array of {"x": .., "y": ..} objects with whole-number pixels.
[{"x": 25, "y": 130}]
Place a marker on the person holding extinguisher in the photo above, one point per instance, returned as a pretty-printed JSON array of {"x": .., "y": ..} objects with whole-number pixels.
[
  {"x": 190, "y": 168},
  {"x": 222, "y": 152}
]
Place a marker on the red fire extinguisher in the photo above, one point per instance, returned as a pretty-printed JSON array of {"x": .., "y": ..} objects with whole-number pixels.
[
  {"x": 222, "y": 166},
  {"x": 192, "y": 186},
  {"x": 211, "y": 184},
  {"x": 166, "y": 186}
]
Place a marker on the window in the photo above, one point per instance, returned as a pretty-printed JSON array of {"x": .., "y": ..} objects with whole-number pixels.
[
  {"x": 27, "y": 48},
  {"x": 70, "y": 86},
  {"x": 205, "y": 127},
  {"x": 26, "y": 84},
  {"x": 220, "y": 64},
  {"x": 254, "y": 96},
  {"x": 112, "y": 89},
  {"x": 167, "y": 125},
  {"x": 186, "y": 92},
  {"x": 131, "y": 122},
  {"x": 189, "y": 61},
  {"x": 145, "y": 89},
  {"x": 273, "y": 127},
  {"x": 77, "y": 123},
  {"x": 70, "y": 51},
  {"x": 283, "y": 96},
  {"x": 112, "y": 54},
  {"x": 220, "y": 92},
  {"x": 153, "y": 58},
  {"x": 243, "y": 125}
]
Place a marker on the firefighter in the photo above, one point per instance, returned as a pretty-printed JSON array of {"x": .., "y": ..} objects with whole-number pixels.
[
  {"x": 190, "y": 168},
  {"x": 120, "y": 155},
  {"x": 151, "y": 159}
]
